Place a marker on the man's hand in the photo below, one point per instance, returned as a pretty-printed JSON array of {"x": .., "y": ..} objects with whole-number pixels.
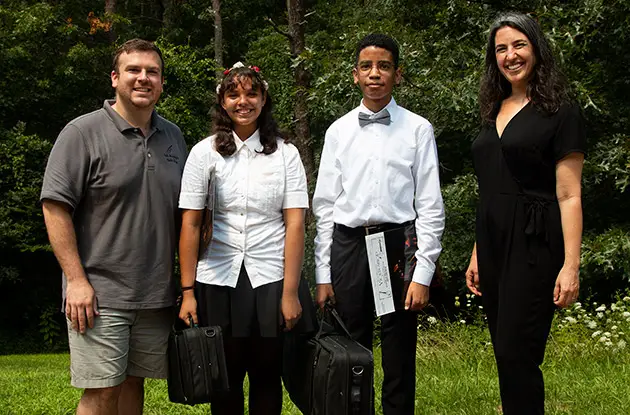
[
  {"x": 417, "y": 297},
  {"x": 81, "y": 306},
  {"x": 567, "y": 287},
  {"x": 323, "y": 293}
]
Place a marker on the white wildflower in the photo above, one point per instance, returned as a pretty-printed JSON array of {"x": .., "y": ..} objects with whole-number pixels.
[
  {"x": 626, "y": 299},
  {"x": 596, "y": 334},
  {"x": 603, "y": 339},
  {"x": 606, "y": 334},
  {"x": 577, "y": 305},
  {"x": 462, "y": 321},
  {"x": 570, "y": 320},
  {"x": 432, "y": 320},
  {"x": 591, "y": 324},
  {"x": 614, "y": 307},
  {"x": 621, "y": 344},
  {"x": 600, "y": 315},
  {"x": 613, "y": 328},
  {"x": 626, "y": 314},
  {"x": 601, "y": 308},
  {"x": 608, "y": 344}
]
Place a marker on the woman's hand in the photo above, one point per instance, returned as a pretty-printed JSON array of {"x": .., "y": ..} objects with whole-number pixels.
[
  {"x": 472, "y": 274},
  {"x": 567, "y": 287},
  {"x": 188, "y": 309},
  {"x": 291, "y": 310}
]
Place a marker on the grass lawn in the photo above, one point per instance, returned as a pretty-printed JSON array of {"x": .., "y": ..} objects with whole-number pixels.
[{"x": 455, "y": 375}]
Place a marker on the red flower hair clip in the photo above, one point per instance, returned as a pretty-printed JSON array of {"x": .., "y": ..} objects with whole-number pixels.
[{"x": 240, "y": 65}]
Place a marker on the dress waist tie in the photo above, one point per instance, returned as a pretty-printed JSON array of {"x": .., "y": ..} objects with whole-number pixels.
[{"x": 536, "y": 223}]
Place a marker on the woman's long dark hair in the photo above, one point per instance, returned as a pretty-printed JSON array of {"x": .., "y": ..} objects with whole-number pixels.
[
  {"x": 547, "y": 89},
  {"x": 222, "y": 124}
]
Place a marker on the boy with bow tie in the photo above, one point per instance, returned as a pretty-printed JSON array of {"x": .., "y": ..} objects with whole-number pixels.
[{"x": 379, "y": 173}]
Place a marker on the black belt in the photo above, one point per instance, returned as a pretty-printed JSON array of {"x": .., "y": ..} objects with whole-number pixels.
[{"x": 369, "y": 230}]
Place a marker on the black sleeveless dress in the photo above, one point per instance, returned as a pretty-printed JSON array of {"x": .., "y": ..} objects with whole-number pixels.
[{"x": 520, "y": 248}]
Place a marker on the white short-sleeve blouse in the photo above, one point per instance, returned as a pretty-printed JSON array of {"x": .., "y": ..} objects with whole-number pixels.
[{"x": 252, "y": 191}]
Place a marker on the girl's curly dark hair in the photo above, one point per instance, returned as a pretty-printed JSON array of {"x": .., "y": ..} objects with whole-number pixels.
[
  {"x": 547, "y": 88},
  {"x": 222, "y": 124}
]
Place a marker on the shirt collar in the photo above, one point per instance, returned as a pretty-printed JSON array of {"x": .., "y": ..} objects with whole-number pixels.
[
  {"x": 391, "y": 107},
  {"x": 252, "y": 142},
  {"x": 122, "y": 125}
]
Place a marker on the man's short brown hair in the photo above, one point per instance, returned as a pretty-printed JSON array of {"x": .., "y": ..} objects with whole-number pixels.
[{"x": 137, "y": 45}]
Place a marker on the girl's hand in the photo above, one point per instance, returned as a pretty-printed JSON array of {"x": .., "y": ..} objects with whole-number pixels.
[
  {"x": 291, "y": 310},
  {"x": 188, "y": 309}
]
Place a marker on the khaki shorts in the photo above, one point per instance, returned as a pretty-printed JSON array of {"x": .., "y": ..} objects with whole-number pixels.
[{"x": 122, "y": 343}]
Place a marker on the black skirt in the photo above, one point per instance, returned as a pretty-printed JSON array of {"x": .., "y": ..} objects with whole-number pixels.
[{"x": 244, "y": 311}]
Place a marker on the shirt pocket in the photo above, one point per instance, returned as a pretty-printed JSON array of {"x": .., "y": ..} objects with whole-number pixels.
[
  {"x": 269, "y": 191},
  {"x": 229, "y": 191}
]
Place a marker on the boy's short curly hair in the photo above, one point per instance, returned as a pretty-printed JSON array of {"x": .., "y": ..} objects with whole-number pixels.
[{"x": 380, "y": 41}]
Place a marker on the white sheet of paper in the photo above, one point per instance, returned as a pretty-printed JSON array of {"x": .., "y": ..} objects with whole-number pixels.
[{"x": 379, "y": 272}]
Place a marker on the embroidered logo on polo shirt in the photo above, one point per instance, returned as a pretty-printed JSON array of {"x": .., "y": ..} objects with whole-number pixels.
[{"x": 170, "y": 157}]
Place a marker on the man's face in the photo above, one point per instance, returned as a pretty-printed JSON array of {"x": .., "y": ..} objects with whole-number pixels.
[
  {"x": 376, "y": 76},
  {"x": 138, "y": 79}
]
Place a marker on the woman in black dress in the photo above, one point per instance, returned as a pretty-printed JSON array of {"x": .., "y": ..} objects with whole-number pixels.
[{"x": 528, "y": 159}]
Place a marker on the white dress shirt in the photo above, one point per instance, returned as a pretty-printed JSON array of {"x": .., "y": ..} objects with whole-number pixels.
[
  {"x": 252, "y": 190},
  {"x": 380, "y": 174}
]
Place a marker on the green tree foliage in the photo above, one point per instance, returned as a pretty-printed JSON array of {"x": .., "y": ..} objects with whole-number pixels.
[
  {"x": 442, "y": 53},
  {"x": 55, "y": 60}
]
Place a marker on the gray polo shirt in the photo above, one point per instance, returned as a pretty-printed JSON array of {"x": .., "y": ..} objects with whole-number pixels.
[{"x": 124, "y": 189}]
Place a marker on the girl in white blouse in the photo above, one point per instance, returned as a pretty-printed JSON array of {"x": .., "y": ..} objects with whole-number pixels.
[{"x": 247, "y": 280}]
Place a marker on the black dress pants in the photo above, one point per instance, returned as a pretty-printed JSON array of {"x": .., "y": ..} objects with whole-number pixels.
[{"x": 355, "y": 304}]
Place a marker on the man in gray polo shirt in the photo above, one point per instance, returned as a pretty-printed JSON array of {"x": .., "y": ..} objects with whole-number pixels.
[{"x": 110, "y": 204}]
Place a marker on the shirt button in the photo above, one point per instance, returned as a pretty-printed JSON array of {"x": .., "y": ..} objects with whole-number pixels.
[{"x": 149, "y": 155}]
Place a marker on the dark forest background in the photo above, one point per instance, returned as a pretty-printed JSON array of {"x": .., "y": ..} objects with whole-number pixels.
[{"x": 55, "y": 60}]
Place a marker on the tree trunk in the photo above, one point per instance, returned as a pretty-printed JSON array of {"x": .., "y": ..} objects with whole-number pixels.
[
  {"x": 110, "y": 8},
  {"x": 218, "y": 37},
  {"x": 302, "y": 78},
  {"x": 168, "y": 17}
]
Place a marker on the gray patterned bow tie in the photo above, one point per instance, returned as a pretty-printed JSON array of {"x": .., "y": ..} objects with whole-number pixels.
[{"x": 382, "y": 117}]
